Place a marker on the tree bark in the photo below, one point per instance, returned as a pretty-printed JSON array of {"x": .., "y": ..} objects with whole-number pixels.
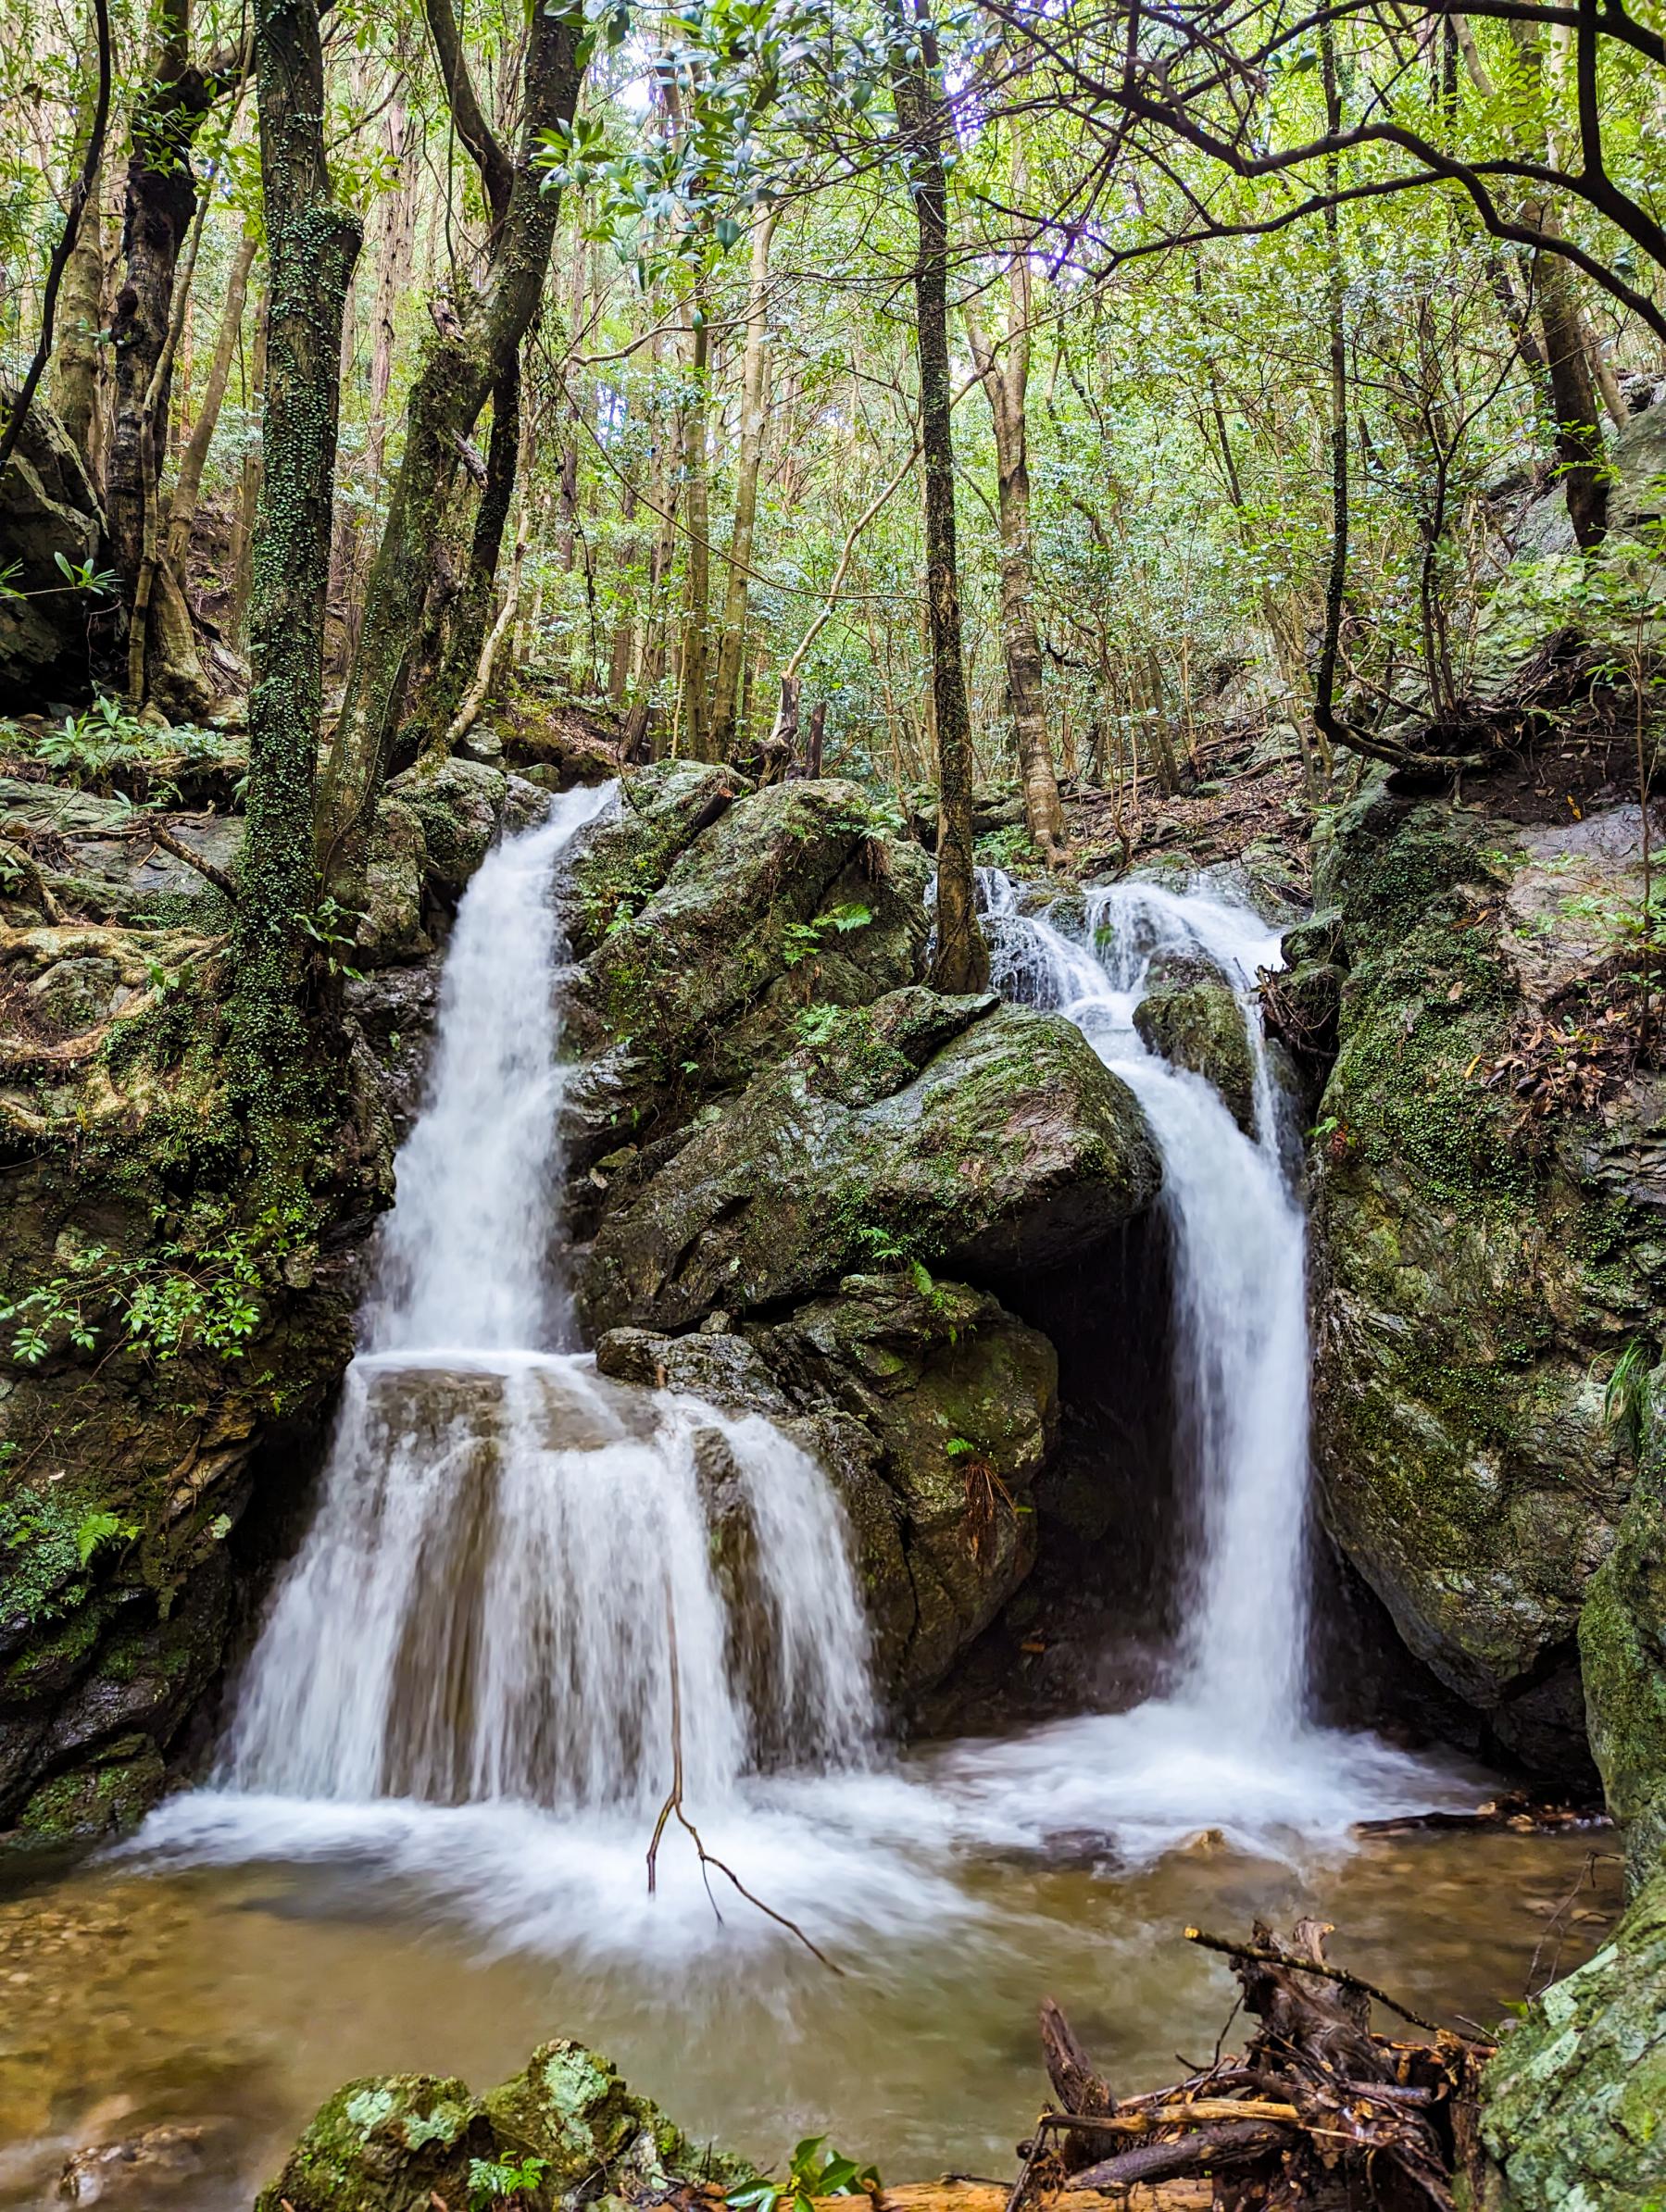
[
  {"x": 311, "y": 246},
  {"x": 962, "y": 957},
  {"x": 697, "y": 567},
  {"x": 472, "y": 352},
  {"x": 248, "y": 490},
  {"x": 471, "y": 611},
  {"x": 188, "y": 485},
  {"x": 75, "y": 365},
  {"x": 1006, "y": 385},
  {"x": 755, "y": 419}
]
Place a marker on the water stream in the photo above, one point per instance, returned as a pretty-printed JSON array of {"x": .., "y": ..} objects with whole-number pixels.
[{"x": 524, "y": 1588}]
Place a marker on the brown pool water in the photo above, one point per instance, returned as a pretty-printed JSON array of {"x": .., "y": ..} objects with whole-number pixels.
[{"x": 235, "y": 1999}]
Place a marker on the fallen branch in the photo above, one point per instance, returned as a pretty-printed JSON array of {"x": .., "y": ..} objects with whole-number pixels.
[
  {"x": 1268, "y": 1955},
  {"x": 160, "y": 834}
]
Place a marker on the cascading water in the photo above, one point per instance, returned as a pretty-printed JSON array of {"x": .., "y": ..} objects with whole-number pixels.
[
  {"x": 516, "y": 1566},
  {"x": 525, "y": 1583},
  {"x": 1237, "y": 1239}
]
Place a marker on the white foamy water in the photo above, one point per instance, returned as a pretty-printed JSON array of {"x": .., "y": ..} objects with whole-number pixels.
[{"x": 466, "y": 1678}]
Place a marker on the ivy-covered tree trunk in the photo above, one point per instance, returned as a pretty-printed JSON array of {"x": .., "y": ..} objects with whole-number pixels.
[
  {"x": 469, "y": 353},
  {"x": 312, "y": 244},
  {"x": 962, "y": 961}
]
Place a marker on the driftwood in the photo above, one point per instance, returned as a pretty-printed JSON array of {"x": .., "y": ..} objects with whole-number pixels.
[{"x": 1319, "y": 2110}]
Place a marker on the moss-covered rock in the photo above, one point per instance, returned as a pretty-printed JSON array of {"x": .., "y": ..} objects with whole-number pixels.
[
  {"x": 791, "y": 897},
  {"x": 1622, "y": 1648},
  {"x": 1200, "y": 1025},
  {"x": 662, "y": 810},
  {"x": 462, "y": 805},
  {"x": 565, "y": 2132},
  {"x": 1573, "y": 2107},
  {"x": 1479, "y": 1271},
  {"x": 1013, "y": 1147},
  {"x": 389, "y": 929}
]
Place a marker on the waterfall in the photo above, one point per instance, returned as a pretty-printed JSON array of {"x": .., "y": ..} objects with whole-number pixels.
[
  {"x": 1236, "y": 1232},
  {"x": 524, "y": 1583}
]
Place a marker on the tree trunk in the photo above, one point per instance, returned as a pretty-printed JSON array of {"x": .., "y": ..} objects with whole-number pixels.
[
  {"x": 469, "y": 357},
  {"x": 248, "y": 490},
  {"x": 962, "y": 959},
  {"x": 75, "y": 361},
  {"x": 754, "y": 423},
  {"x": 161, "y": 202},
  {"x": 1007, "y": 388},
  {"x": 187, "y": 489},
  {"x": 697, "y": 569},
  {"x": 1324, "y": 687},
  {"x": 311, "y": 246},
  {"x": 472, "y": 612}
]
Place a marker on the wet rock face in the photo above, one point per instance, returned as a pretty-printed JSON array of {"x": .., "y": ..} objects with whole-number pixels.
[
  {"x": 785, "y": 1140},
  {"x": 568, "y": 2125},
  {"x": 48, "y": 508},
  {"x": 1570, "y": 2106},
  {"x": 1198, "y": 1023},
  {"x": 933, "y": 1408},
  {"x": 1479, "y": 1268}
]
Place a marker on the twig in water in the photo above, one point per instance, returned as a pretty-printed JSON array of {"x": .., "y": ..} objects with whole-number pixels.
[{"x": 672, "y": 1807}]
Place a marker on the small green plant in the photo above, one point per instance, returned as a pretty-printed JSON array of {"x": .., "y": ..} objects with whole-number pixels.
[
  {"x": 96, "y": 1529},
  {"x": 86, "y": 747},
  {"x": 1628, "y": 1403},
  {"x": 494, "y": 2181},
  {"x": 812, "y": 2171},
  {"x": 800, "y": 940},
  {"x": 335, "y": 930}
]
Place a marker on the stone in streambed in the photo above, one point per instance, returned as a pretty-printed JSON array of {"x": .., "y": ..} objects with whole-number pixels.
[
  {"x": 398, "y": 2142},
  {"x": 1198, "y": 1024}
]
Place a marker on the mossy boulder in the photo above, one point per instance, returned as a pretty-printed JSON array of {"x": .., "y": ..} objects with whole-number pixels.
[
  {"x": 567, "y": 2126},
  {"x": 1622, "y": 1648},
  {"x": 1198, "y": 1025},
  {"x": 1013, "y": 1147},
  {"x": 624, "y": 860},
  {"x": 461, "y": 806},
  {"x": 792, "y": 897},
  {"x": 1478, "y": 1270},
  {"x": 390, "y": 929},
  {"x": 1572, "y": 2108}
]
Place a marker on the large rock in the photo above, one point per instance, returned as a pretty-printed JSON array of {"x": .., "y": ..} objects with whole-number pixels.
[
  {"x": 791, "y": 897},
  {"x": 1479, "y": 1270},
  {"x": 1196, "y": 1024},
  {"x": 1014, "y": 1148},
  {"x": 1623, "y": 1645},
  {"x": 461, "y": 806},
  {"x": 47, "y": 508},
  {"x": 1571, "y": 2107},
  {"x": 934, "y": 1410},
  {"x": 97, "y": 861},
  {"x": 567, "y": 2126}
]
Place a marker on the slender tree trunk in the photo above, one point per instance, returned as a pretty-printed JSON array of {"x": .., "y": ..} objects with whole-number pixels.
[
  {"x": 248, "y": 490},
  {"x": 472, "y": 612},
  {"x": 754, "y": 423},
  {"x": 161, "y": 202},
  {"x": 962, "y": 959},
  {"x": 75, "y": 360},
  {"x": 311, "y": 246},
  {"x": 188, "y": 485},
  {"x": 697, "y": 567},
  {"x": 1005, "y": 384},
  {"x": 470, "y": 354},
  {"x": 1336, "y": 589}
]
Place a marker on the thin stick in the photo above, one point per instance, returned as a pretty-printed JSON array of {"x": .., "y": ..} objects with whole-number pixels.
[
  {"x": 672, "y": 1807},
  {"x": 1268, "y": 1955}
]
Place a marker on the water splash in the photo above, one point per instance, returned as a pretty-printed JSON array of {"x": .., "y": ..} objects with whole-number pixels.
[{"x": 1237, "y": 1236}]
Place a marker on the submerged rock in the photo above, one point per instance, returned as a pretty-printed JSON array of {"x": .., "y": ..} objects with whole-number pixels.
[{"x": 567, "y": 2127}]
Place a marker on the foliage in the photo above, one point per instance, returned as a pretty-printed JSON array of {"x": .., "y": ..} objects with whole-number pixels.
[
  {"x": 812, "y": 2171},
  {"x": 800, "y": 940},
  {"x": 494, "y": 2181}
]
